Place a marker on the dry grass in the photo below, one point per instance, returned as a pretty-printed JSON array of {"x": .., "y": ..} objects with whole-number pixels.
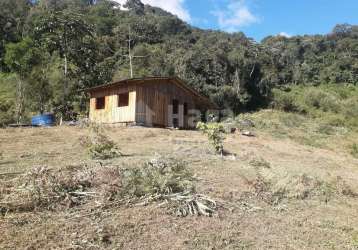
[{"x": 272, "y": 186}]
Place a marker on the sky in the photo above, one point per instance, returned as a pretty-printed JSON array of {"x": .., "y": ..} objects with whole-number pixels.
[{"x": 261, "y": 18}]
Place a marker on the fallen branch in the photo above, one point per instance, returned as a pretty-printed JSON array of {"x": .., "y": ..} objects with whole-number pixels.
[
  {"x": 195, "y": 204},
  {"x": 12, "y": 173}
]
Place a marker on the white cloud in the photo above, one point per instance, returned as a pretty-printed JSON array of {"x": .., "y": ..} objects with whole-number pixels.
[
  {"x": 175, "y": 7},
  {"x": 237, "y": 14},
  {"x": 285, "y": 34}
]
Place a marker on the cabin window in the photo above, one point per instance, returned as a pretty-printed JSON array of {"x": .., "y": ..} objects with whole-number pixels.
[
  {"x": 100, "y": 102},
  {"x": 185, "y": 108},
  {"x": 175, "y": 107},
  {"x": 123, "y": 100}
]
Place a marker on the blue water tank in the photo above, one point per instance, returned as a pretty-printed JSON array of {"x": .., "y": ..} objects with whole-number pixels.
[{"x": 43, "y": 120}]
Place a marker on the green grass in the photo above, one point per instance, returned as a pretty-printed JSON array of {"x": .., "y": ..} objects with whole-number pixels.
[
  {"x": 306, "y": 130},
  {"x": 333, "y": 105},
  {"x": 324, "y": 116}
]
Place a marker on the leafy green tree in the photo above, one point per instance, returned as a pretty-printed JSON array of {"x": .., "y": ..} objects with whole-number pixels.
[
  {"x": 69, "y": 35},
  {"x": 21, "y": 58},
  {"x": 13, "y": 14}
]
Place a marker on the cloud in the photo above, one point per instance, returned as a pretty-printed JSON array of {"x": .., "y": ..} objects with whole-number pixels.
[
  {"x": 285, "y": 34},
  {"x": 175, "y": 7},
  {"x": 236, "y": 15}
]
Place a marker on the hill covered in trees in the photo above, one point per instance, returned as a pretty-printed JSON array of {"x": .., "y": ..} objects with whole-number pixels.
[{"x": 50, "y": 50}]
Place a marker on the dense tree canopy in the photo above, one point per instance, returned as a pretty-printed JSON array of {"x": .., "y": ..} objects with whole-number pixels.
[{"x": 83, "y": 43}]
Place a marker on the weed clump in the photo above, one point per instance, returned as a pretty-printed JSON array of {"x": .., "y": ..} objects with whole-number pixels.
[
  {"x": 260, "y": 163},
  {"x": 354, "y": 150},
  {"x": 98, "y": 145},
  {"x": 215, "y": 133}
]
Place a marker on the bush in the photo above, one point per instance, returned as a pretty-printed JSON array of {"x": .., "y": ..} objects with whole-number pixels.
[
  {"x": 99, "y": 146},
  {"x": 335, "y": 105},
  {"x": 7, "y": 99},
  {"x": 284, "y": 101},
  {"x": 354, "y": 150},
  {"x": 350, "y": 107},
  {"x": 215, "y": 133},
  {"x": 315, "y": 97}
]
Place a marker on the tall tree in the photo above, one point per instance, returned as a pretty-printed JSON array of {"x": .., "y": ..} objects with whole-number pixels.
[
  {"x": 69, "y": 35},
  {"x": 21, "y": 58}
]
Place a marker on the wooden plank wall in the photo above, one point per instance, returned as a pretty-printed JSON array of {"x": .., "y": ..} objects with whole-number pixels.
[
  {"x": 149, "y": 103},
  {"x": 112, "y": 113},
  {"x": 154, "y": 100}
]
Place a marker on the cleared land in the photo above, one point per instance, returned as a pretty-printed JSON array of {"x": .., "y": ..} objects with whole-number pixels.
[{"x": 274, "y": 193}]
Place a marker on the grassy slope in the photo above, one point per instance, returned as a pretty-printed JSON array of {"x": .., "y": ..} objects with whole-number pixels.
[{"x": 244, "y": 219}]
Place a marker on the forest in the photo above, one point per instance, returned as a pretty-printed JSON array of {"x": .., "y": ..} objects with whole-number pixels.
[{"x": 51, "y": 50}]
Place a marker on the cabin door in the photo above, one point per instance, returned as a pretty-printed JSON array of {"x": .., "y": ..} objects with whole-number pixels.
[{"x": 177, "y": 115}]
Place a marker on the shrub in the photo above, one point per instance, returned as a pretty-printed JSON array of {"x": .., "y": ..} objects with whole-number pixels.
[
  {"x": 354, "y": 150},
  {"x": 284, "y": 101},
  {"x": 334, "y": 105},
  {"x": 215, "y": 133},
  {"x": 350, "y": 107},
  {"x": 7, "y": 99},
  {"x": 320, "y": 99},
  {"x": 99, "y": 146}
]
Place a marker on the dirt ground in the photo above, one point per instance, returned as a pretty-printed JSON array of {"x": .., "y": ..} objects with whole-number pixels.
[{"x": 242, "y": 182}]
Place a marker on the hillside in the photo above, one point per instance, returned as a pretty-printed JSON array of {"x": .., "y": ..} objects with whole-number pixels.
[
  {"x": 232, "y": 69},
  {"x": 279, "y": 172},
  {"x": 271, "y": 192}
]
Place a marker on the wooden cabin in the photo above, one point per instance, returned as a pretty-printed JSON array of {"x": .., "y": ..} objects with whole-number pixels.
[{"x": 152, "y": 101}]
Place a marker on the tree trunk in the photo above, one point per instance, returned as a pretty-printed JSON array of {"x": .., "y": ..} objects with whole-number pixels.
[
  {"x": 65, "y": 90},
  {"x": 20, "y": 100},
  {"x": 253, "y": 69}
]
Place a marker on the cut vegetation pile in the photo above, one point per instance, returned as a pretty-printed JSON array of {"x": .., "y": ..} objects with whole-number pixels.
[
  {"x": 275, "y": 190},
  {"x": 43, "y": 188},
  {"x": 162, "y": 180}
]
